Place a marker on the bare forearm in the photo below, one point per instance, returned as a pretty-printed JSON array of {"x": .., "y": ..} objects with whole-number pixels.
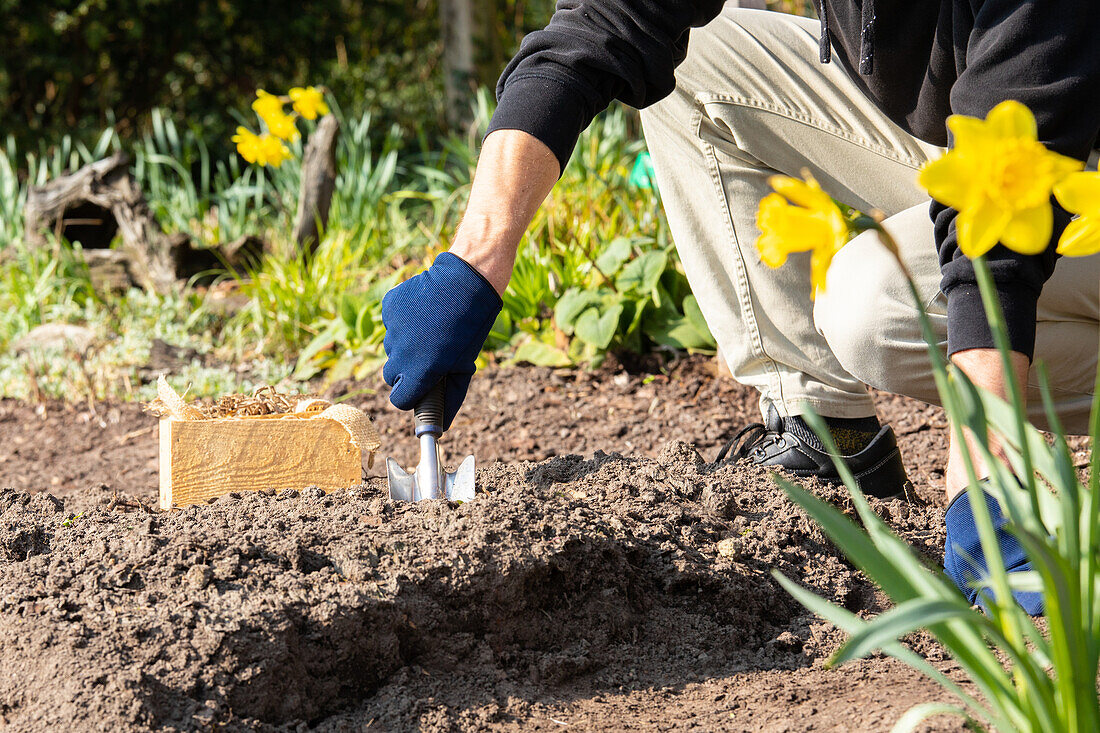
[
  {"x": 515, "y": 173},
  {"x": 985, "y": 369}
]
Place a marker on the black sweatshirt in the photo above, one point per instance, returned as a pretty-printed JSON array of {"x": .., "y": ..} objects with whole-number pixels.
[{"x": 918, "y": 60}]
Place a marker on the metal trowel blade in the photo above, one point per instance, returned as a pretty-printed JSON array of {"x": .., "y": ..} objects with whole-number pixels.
[
  {"x": 402, "y": 484},
  {"x": 457, "y": 485},
  {"x": 460, "y": 484}
]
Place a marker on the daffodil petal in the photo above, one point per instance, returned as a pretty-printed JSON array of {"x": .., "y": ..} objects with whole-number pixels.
[
  {"x": 801, "y": 193},
  {"x": 1029, "y": 230},
  {"x": 1081, "y": 238},
  {"x": 309, "y": 102},
  {"x": 798, "y": 232},
  {"x": 771, "y": 207},
  {"x": 948, "y": 180},
  {"x": 1064, "y": 165},
  {"x": 772, "y": 252},
  {"x": 979, "y": 228},
  {"x": 820, "y": 261},
  {"x": 1011, "y": 119},
  {"x": 1079, "y": 193},
  {"x": 966, "y": 131},
  {"x": 785, "y": 229}
]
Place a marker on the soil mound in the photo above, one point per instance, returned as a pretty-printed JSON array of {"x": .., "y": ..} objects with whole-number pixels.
[{"x": 305, "y": 610}]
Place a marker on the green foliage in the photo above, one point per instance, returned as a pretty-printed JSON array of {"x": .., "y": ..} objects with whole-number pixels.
[
  {"x": 596, "y": 272},
  {"x": 1030, "y": 677},
  {"x": 88, "y": 63},
  {"x": 74, "y": 66},
  {"x": 51, "y": 285}
]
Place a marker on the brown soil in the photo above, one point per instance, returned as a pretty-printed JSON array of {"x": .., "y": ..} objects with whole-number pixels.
[
  {"x": 581, "y": 591},
  {"x": 519, "y": 414}
]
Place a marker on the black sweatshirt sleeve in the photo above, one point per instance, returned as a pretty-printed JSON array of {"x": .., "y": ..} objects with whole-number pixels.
[
  {"x": 1043, "y": 54},
  {"x": 594, "y": 51}
]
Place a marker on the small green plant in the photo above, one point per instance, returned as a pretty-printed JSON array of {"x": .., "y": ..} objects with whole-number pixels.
[{"x": 71, "y": 520}]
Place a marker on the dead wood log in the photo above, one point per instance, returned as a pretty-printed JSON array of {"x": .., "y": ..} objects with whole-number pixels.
[
  {"x": 108, "y": 186},
  {"x": 102, "y": 199},
  {"x": 108, "y": 270},
  {"x": 201, "y": 265},
  {"x": 318, "y": 183}
]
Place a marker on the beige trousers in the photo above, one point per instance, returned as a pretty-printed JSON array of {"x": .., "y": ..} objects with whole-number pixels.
[{"x": 752, "y": 100}]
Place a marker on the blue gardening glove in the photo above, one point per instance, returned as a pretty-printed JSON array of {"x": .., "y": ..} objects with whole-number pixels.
[
  {"x": 964, "y": 562},
  {"x": 436, "y": 324}
]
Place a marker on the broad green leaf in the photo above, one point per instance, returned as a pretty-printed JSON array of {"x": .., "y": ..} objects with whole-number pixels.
[
  {"x": 502, "y": 329},
  {"x": 571, "y": 305},
  {"x": 614, "y": 255},
  {"x": 540, "y": 354},
  {"x": 366, "y": 322},
  {"x": 679, "y": 334},
  {"x": 695, "y": 315},
  {"x": 643, "y": 273},
  {"x": 343, "y": 368},
  {"x": 349, "y": 310},
  {"x": 368, "y": 365},
  {"x": 597, "y": 329},
  {"x": 630, "y": 324},
  {"x": 379, "y": 288}
]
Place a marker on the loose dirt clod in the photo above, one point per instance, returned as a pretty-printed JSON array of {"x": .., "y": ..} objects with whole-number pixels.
[{"x": 265, "y": 611}]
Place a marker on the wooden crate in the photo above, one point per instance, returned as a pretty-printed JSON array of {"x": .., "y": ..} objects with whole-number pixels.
[{"x": 203, "y": 459}]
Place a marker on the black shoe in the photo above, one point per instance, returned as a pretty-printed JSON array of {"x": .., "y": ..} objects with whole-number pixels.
[{"x": 877, "y": 467}]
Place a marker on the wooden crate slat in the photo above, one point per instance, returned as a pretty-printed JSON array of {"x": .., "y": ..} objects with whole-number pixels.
[{"x": 204, "y": 459}]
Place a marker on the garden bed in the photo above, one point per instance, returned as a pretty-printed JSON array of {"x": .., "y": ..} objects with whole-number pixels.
[{"x": 627, "y": 587}]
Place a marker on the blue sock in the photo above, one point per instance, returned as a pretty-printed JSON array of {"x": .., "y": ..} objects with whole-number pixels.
[{"x": 964, "y": 562}]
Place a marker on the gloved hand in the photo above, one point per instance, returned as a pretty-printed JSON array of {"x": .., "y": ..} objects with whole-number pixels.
[
  {"x": 964, "y": 562},
  {"x": 436, "y": 324}
]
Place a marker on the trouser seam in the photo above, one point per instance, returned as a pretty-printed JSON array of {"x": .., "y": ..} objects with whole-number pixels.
[
  {"x": 744, "y": 296},
  {"x": 810, "y": 121}
]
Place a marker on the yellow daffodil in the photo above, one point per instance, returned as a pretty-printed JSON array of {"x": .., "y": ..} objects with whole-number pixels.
[
  {"x": 248, "y": 144},
  {"x": 999, "y": 177},
  {"x": 267, "y": 105},
  {"x": 272, "y": 151},
  {"x": 263, "y": 149},
  {"x": 269, "y": 108},
  {"x": 1079, "y": 193},
  {"x": 309, "y": 102},
  {"x": 282, "y": 126},
  {"x": 800, "y": 217}
]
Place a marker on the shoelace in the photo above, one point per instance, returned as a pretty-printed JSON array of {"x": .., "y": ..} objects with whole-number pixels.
[{"x": 747, "y": 438}]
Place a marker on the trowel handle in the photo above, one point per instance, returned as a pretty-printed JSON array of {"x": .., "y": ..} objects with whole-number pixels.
[{"x": 428, "y": 413}]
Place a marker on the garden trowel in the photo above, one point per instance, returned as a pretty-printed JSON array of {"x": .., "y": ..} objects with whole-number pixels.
[{"x": 430, "y": 480}]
